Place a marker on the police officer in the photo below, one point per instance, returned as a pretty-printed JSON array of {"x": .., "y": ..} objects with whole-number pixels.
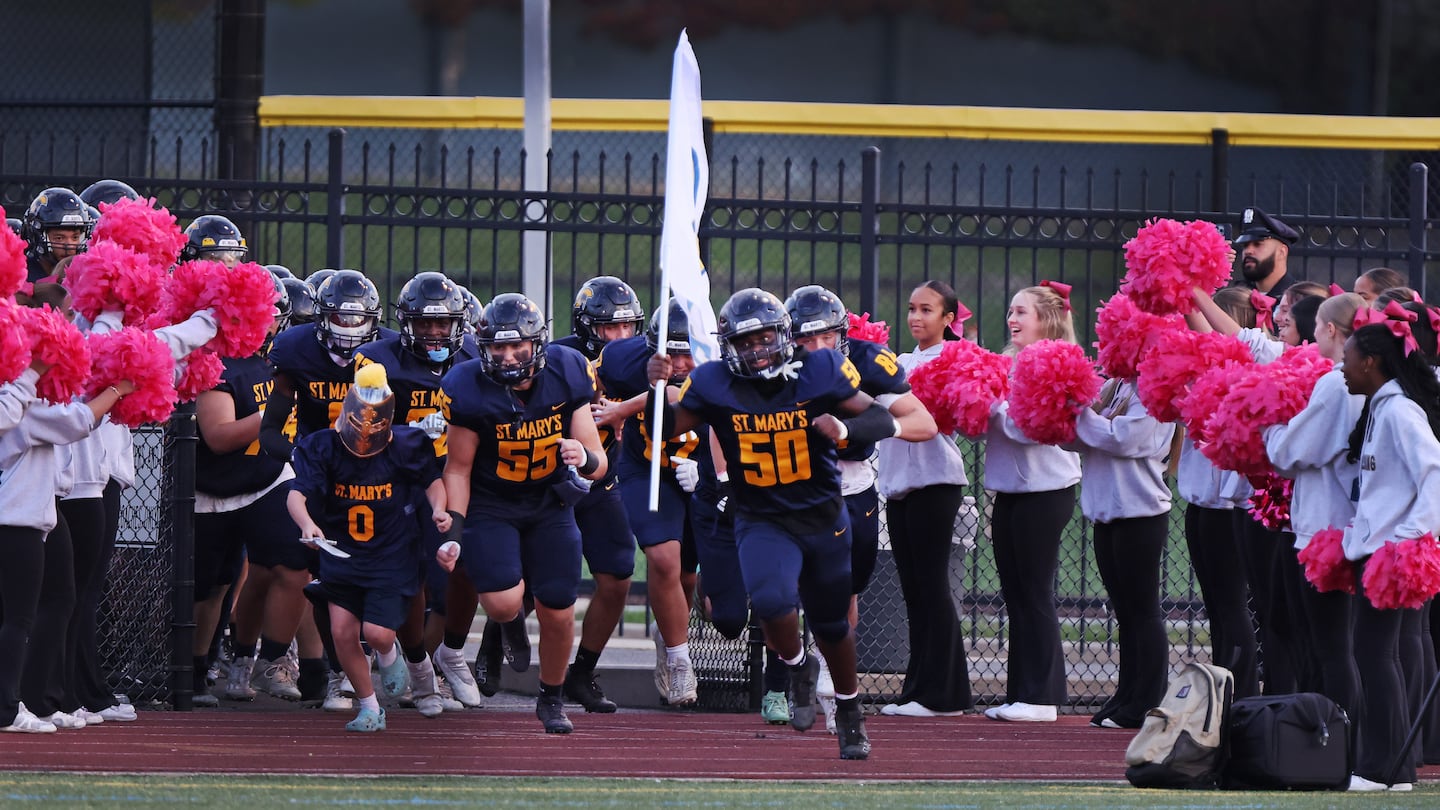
[{"x": 1264, "y": 247}]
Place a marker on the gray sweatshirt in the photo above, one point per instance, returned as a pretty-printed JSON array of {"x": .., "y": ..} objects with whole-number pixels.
[
  {"x": 908, "y": 466},
  {"x": 31, "y": 461},
  {"x": 1123, "y": 449}
]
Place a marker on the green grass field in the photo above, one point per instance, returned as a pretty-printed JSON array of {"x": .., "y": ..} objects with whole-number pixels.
[{"x": 107, "y": 791}]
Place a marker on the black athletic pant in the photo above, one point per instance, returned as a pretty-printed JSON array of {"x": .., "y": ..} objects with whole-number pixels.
[
  {"x": 1386, "y": 715},
  {"x": 1260, "y": 548},
  {"x": 1025, "y": 530},
  {"x": 1127, "y": 553},
  {"x": 23, "y": 567},
  {"x": 1214, "y": 552},
  {"x": 921, "y": 525},
  {"x": 93, "y": 548},
  {"x": 44, "y": 680}
]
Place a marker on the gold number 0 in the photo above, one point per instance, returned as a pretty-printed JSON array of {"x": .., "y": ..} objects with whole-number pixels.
[
  {"x": 362, "y": 523},
  {"x": 786, "y": 463}
]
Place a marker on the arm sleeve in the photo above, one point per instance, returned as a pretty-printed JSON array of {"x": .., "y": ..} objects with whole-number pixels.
[
  {"x": 1134, "y": 434},
  {"x": 1421, "y": 458},
  {"x": 272, "y": 426},
  {"x": 60, "y": 424},
  {"x": 16, "y": 397},
  {"x": 189, "y": 335},
  {"x": 1317, "y": 435}
]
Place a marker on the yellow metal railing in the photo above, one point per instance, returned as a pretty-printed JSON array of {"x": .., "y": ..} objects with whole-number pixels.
[{"x": 866, "y": 120}]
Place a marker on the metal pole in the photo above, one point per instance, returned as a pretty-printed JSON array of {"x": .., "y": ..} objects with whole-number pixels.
[
  {"x": 180, "y": 504},
  {"x": 535, "y": 270},
  {"x": 239, "y": 81},
  {"x": 869, "y": 230},
  {"x": 335, "y": 202},
  {"x": 1419, "y": 221},
  {"x": 1219, "y": 170}
]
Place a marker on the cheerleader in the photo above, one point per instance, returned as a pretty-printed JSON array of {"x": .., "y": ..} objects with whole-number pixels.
[
  {"x": 1398, "y": 453},
  {"x": 1034, "y": 487},
  {"x": 1310, "y": 449},
  {"x": 1123, "y": 492}
]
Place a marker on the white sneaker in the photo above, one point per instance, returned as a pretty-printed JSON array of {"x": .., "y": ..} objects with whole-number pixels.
[
  {"x": 447, "y": 696},
  {"x": 423, "y": 689},
  {"x": 90, "y": 718},
  {"x": 27, "y": 723},
  {"x": 824, "y": 685},
  {"x": 457, "y": 673},
  {"x": 205, "y": 699},
  {"x": 827, "y": 708},
  {"x": 914, "y": 709},
  {"x": 1359, "y": 784},
  {"x": 119, "y": 713},
  {"x": 64, "y": 720},
  {"x": 1402, "y": 787},
  {"x": 335, "y": 698},
  {"x": 1019, "y": 712},
  {"x": 994, "y": 711},
  {"x": 662, "y": 664},
  {"x": 237, "y": 685},
  {"x": 276, "y": 677},
  {"x": 683, "y": 686}
]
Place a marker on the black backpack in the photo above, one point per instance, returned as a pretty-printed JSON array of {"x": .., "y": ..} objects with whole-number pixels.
[
  {"x": 1182, "y": 742},
  {"x": 1288, "y": 742}
]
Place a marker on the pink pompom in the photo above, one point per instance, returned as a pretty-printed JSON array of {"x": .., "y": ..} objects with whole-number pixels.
[
  {"x": 14, "y": 341},
  {"x": 243, "y": 300},
  {"x": 109, "y": 276},
  {"x": 960, "y": 386},
  {"x": 55, "y": 340},
  {"x": 1403, "y": 574},
  {"x": 1258, "y": 397},
  {"x": 1270, "y": 505},
  {"x": 1125, "y": 332},
  {"x": 1053, "y": 381},
  {"x": 13, "y": 268},
  {"x": 862, "y": 328},
  {"x": 1325, "y": 565},
  {"x": 1167, "y": 260},
  {"x": 142, "y": 226},
  {"x": 203, "y": 370},
  {"x": 1203, "y": 397},
  {"x": 1175, "y": 360},
  {"x": 138, "y": 356}
]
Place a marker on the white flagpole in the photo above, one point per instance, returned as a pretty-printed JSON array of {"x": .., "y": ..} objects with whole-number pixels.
[{"x": 687, "y": 184}]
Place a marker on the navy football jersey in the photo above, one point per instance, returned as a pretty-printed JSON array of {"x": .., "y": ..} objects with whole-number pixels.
[
  {"x": 248, "y": 380},
  {"x": 880, "y": 373},
  {"x": 519, "y": 431},
  {"x": 609, "y": 439},
  {"x": 778, "y": 463},
  {"x": 320, "y": 384},
  {"x": 621, "y": 372},
  {"x": 367, "y": 505},
  {"x": 415, "y": 382}
]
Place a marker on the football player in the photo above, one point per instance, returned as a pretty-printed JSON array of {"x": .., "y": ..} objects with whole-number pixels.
[
  {"x": 355, "y": 491},
  {"x": 778, "y": 414},
  {"x": 57, "y": 225},
  {"x": 519, "y": 420},
  {"x": 431, "y": 314},
  {"x": 214, "y": 238}
]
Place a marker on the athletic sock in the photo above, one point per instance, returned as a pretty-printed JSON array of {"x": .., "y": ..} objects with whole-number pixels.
[
  {"x": 585, "y": 661},
  {"x": 388, "y": 657},
  {"x": 797, "y": 662},
  {"x": 414, "y": 656},
  {"x": 550, "y": 690},
  {"x": 372, "y": 703},
  {"x": 456, "y": 641},
  {"x": 677, "y": 653},
  {"x": 273, "y": 650}
]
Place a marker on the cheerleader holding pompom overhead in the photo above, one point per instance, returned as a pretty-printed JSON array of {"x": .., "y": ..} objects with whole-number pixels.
[{"x": 1391, "y": 538}]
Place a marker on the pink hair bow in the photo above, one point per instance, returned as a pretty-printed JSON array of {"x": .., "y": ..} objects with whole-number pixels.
[
  {"x": 1398, "y": 320},
  {"x": 962, "y": 314},
  {"x": 1434, "y": 319},
  {"x": 1264, "y": 308},
  {"x": 1336, "y": 289},
  {"x": 1062, "y": 289}
]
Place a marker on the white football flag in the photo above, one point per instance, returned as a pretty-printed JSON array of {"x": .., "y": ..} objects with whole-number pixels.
[{"x": 687, "y": 184}]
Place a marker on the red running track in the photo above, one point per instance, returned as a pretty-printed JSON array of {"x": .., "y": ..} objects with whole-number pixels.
[{"x": 628, "y": 744}]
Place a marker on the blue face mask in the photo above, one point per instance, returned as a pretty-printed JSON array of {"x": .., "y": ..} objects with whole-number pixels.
[{"x": 438, "y": 355}]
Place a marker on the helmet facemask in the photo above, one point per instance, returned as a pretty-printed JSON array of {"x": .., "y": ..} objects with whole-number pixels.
[
  {"x": 344, "y": 332},
  {"x": 518, "y": 368},
  {"x": 759, "y": 353}
]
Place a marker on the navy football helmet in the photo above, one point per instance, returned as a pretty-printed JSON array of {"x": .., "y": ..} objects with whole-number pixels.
[
  {"x": 318, "y": 277},
  {"x": 55, "y": 209},
  {"x": 214, "y": 238},
  {"x": 748, "y": 312},
  {"x": 512, "y": 318},
  {"x": 107, "y": 191},
  {"x": 302, "y": 300},
  {"x": 347, "y": 312},
  {"x": 814, "y": 310},
  {"x": 430, "y": 296},
  {"x": 602, "y": 300},
  {"x": 279, "y": 271}
]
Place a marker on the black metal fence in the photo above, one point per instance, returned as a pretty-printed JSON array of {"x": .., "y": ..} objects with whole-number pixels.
[{"x": 988, "y": 217}]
